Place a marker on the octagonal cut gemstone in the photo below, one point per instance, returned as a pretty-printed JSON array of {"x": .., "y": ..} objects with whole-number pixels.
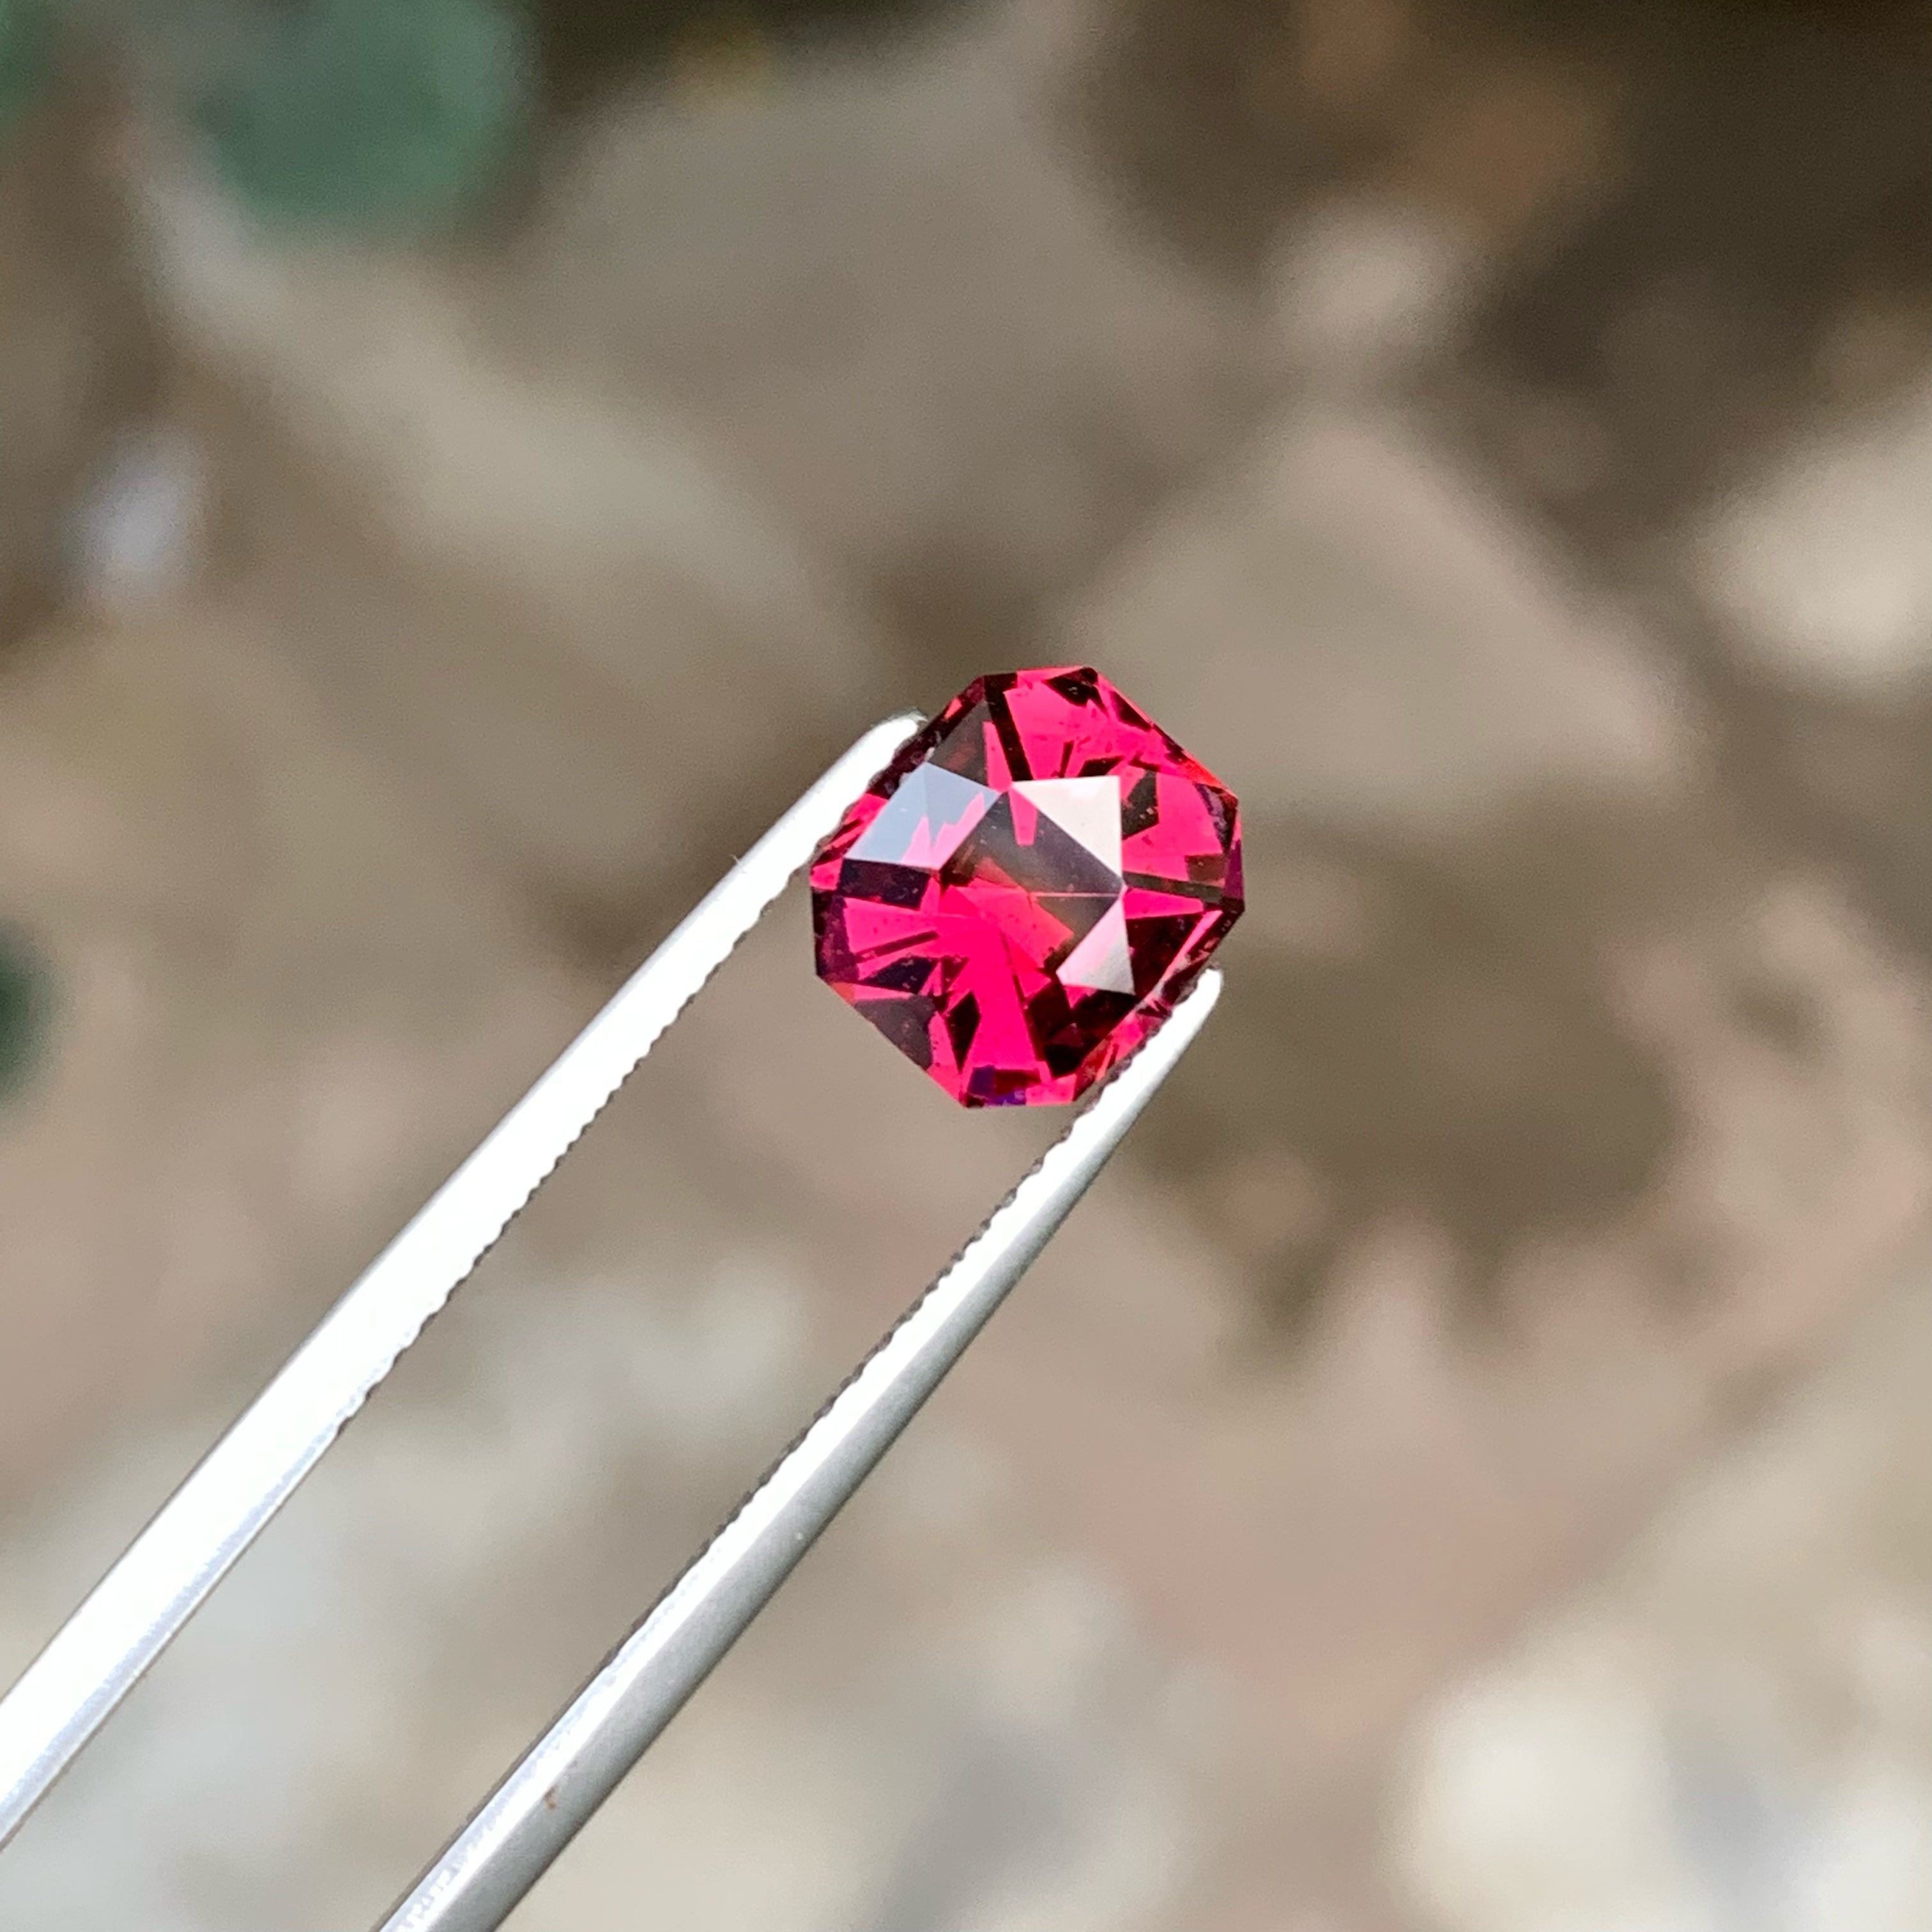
[{"x": 1023, "y": 894}]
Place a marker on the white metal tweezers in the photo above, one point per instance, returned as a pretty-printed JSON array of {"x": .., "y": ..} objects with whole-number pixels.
[{"x": 99, "y": 1655}]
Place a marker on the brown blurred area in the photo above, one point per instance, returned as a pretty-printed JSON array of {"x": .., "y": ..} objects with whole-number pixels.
[{"x": 1464, "y": 1471}]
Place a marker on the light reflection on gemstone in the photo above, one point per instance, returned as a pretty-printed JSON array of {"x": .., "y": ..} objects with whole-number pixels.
[
  {"x": 1101, "y": 961},
  {"x": 924, "y": 820},
  {"x": 1022, "y": 894},
  {"x": 1088, "y": 808}
]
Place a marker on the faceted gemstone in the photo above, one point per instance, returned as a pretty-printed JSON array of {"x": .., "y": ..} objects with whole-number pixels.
[{"x": 1022, "y": 894}]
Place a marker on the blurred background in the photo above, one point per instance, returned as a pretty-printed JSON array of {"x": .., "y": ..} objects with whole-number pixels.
[{"x": 464, "y": 464}]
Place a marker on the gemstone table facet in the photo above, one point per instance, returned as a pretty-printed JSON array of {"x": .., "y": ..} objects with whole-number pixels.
[{"x": 1024, "y": 893}]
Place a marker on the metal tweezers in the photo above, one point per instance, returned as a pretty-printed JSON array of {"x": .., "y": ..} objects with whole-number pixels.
[{"x": 99, "y": 1655}]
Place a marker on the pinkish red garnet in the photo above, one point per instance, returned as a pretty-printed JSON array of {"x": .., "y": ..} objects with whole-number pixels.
[{"x": 1025, "y": 891}]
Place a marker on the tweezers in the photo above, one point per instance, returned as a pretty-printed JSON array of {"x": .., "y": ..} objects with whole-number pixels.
[{"x": 137, "y": 1609}]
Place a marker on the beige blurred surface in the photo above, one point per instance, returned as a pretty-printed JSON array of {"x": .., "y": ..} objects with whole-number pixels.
[{"x": 1568, "y": 1110}]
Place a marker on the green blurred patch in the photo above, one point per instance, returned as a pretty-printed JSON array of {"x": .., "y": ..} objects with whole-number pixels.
[
  {"x": 26, "y": 45},
  {"x": 392, "y": 115},
  {"x": 23, "y": 1005}
]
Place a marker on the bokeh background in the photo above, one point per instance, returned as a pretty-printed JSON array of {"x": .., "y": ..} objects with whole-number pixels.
[{"x": 464, "y": 464}]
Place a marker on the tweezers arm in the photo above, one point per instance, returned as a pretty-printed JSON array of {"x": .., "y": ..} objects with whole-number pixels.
[
  {"x": 134, "y": 1611},
  {"x": 552, "y": 1792}
]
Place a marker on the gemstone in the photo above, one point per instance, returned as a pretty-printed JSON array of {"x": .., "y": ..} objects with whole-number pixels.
[{"x": 1021, "y": 895}]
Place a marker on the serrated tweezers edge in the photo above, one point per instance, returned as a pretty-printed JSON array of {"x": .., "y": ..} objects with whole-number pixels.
[
  {"x": 131, "y": 1616},
  {"x": 556, "y": 1786}
]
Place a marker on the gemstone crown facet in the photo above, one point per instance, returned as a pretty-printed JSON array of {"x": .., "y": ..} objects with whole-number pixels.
[{"x": 1021, "y": 895}]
